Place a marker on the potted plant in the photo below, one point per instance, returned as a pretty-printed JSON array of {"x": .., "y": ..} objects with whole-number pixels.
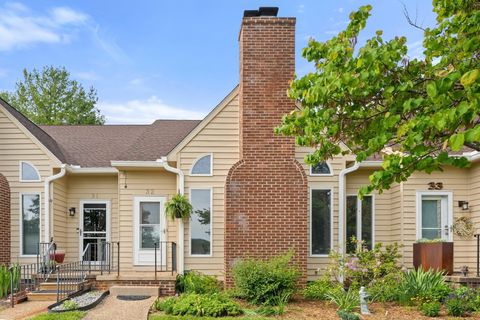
[
  {"x": 58, "y": 256},
  {"x": 178, "y": 207},
  {"x": 435, "y": 254}
]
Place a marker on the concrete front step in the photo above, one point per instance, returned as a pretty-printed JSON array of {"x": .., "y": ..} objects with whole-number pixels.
[
  {"x": 43, "y": 295},
  {"x": 53, "y": 285},
  {"x": 152, "y": 291}
]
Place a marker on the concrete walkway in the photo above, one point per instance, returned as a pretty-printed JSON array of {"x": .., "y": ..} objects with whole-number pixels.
[
  {"x": 24, "y": 310},
  {"x": 114, "y": 309}
]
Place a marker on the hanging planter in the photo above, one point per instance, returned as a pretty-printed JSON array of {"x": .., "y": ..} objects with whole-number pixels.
[{"x": 178, "y": 208}]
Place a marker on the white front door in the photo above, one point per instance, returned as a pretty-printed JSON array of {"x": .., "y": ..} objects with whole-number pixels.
[
  {"x": 434, "y": 220},
  {"x": 94, "y": 229},
  {"x": 149, "y": 230}
]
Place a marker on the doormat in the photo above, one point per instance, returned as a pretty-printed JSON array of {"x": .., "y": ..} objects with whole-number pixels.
[{"x": 132, "y": 298}]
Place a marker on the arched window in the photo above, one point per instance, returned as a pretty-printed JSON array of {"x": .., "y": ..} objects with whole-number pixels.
[
  {"x": 28, "y": 172},
  {"x": 321, "y": 169},
  {"x": 202, "y": 166}
]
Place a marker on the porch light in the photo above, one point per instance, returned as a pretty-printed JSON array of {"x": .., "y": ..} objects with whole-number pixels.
[
  {"x": 71, "y": 211},
  {"x": 463, "y": 205}
]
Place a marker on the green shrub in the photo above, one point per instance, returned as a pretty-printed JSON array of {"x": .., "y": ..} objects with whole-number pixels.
[
  {"x": 266, "y": 281},
  {"x": 346, "y": 301},
  {"x": 318, "y": 289},
  {"x": 420, "y": 286},
  {"x": 200, "y": 305},
  {"x": 344, "y": 315},
  {"x": 431, "y": 309},
  {"x": 456, "y": 307},
  {"x": 386, "y": 289},
  {"x": 69, "y": 305},
  {"x": 363, "y": 266},
  {"x": 195, "y": 282}
]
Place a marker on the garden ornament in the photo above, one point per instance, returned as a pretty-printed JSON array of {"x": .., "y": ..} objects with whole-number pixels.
[{"x": 363, "y": 301}]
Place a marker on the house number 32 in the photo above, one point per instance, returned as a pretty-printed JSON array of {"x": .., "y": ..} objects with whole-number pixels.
[{"x": 435, "y": 185}]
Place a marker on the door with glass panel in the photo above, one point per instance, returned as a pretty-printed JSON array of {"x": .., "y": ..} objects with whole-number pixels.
[
  {"x": 359, "y": 222},
  {"x": 434, "y": 219},
  {"x": 93, "y": 231}
]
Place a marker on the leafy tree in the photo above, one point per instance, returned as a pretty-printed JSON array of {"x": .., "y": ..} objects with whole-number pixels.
[
  {"x": 50, "y": 97},
  {"x": 376, "y": 100}
]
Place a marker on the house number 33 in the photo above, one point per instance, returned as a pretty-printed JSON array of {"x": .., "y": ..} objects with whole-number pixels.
[{"x": 435, "y": 185}]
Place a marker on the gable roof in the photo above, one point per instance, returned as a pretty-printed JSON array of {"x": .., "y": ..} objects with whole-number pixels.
[
  {"x": 97, "y": 145},
  {"x": 45, "y": 139}
]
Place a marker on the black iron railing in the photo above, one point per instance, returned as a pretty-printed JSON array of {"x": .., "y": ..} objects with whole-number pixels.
[
  {"x": 165, "y": 257},
  {"x": 103, "y": 257},
  {"x": 70, "y": 279},
  {"x": 46, "y": 258},
  {"x": 478, "y": 253}
]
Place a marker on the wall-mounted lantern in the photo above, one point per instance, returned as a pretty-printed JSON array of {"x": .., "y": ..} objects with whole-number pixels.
[
  {"x": 463, "y": 205},
  {"x": 71, "y": 212}
]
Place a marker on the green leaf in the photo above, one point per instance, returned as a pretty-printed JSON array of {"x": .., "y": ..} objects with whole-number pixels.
[
  {"x": 470, "y": 77},
  {"x": 432, "y": 89},
  {"x": 456, "y": 141}
]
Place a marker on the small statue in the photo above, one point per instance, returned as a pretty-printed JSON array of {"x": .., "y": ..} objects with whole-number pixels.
[
  {"x": 363, "y": 301},
  {"x": 464, "y": 271}
]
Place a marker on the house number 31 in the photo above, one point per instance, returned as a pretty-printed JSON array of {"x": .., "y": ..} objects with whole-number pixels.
[{"x": 435, "y": 185}]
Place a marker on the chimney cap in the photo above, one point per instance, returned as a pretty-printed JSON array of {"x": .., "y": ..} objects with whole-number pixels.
[{"x": 261, "y": 12}]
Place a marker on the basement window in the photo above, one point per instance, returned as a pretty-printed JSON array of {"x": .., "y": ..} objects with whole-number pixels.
[
  {"x": 321, "y": 169},
  {"x": 202, "y": 166},
  {"x": 28, "y": 172}
]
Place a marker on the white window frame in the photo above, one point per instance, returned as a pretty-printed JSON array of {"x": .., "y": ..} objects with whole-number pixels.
[
  {"x": 202, "y": 174},
  {"x": 20, "y": 171},
  {"x": 21, "y": 194},
  {"x": 359, "y": 218},
  {"x": 449, "y": 195},
  {"x": 80, "y": 222},
  {"x": 211, "y": 224},
  {"x": 322, "y": 174},
  {"x": 323, "y": 255},
  {"x": 146, "y": 257}
]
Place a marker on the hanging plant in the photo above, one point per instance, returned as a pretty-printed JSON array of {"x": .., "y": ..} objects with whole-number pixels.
[
  {"x": 463, "y": 227},
  {"x": 178, "y": 207}
]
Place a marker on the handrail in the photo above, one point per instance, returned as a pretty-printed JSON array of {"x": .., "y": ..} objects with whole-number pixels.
[
  {"x": 161, "y": 250},
  {"x": 70, "y": 278},
  {"x": 101, "y": 257}
]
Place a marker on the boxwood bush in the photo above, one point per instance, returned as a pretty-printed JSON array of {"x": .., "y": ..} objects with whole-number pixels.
[{"x": 268, "y": 282}]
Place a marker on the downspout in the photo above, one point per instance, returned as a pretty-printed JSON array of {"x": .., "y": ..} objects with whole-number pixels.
[
  {"x": 342, "y": 204},
  {"x": 48, "y": 180},
  {"x": 181, "y": 226}
]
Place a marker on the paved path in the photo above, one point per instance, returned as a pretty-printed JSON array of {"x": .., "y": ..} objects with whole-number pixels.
[
  {"x": 24, "y": 310},
  {"x": 114, "y": 309}
]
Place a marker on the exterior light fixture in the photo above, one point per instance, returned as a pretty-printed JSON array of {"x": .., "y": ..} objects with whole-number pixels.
[
  {"x": 71, "y": 211},
  {"x": 463, "y": 205}
]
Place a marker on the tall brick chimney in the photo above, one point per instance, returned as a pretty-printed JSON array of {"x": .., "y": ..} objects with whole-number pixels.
[{"x": 266, "y": 191}]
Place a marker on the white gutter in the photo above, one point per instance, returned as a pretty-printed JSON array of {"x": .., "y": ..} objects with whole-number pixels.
[
  {"x": 342, "y": 199},
  {"x": 181, "y": 226},
  {"x": 80, "y": 170},
  {"x": 48, "y": 180}
]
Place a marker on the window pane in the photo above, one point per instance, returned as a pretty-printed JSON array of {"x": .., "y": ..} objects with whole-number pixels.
[
  {"x": 94, "y": 219},
  {"x": 29, "y": 173},
  {"x": 203, "y": 165},
  {"x": 200, "y": 223},
  {"x": 351, "y": 223},
  {"x": 149, "y": 212},
  {"x": 431, "y": 233},
  {"x": 321, "y": 219},
  {"x": 367, "y": 221},
  {"x": 150, "y": 235},
  {"x": 30, "y": 223},
  {"x": 431, "y": 211},
  {"x": 321, "y": 168}
]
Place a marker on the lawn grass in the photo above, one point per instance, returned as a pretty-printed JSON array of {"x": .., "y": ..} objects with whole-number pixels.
[{"x": 73, "y": 315}]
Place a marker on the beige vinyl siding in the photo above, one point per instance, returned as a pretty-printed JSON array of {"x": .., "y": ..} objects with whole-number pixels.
[
  {"x": 89, "y": 187},
  {"x": 60, "y": 220},
  {"x": 16, "y": 146},
  {"x": 220, "y": 137},
  {"x": 131, "y": 184},
  {"x": 474, "y": 212}
]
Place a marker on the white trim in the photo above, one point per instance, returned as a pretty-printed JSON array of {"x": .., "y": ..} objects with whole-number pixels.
[
  {"x": 198, "y": 159},
  {"x": 360, "y": 216},
  {"x": 211, "y": 224},
  {"x": 21, "y": 194},
  {"x": 148, "y": 256},
  {"x": 322, "y": 174},
  {"x": 20, "y": 171},
  {"x": 311, "y": 225},
  {"x": 419, "y": 195},
  {"x": 80, "y": 222}
]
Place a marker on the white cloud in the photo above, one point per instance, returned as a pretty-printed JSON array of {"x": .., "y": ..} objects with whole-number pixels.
[
  {"x": 340, "y": 10},
  {"x": 136, "y": 82},
  {"x": 65, "y": 15},
  {"x": 301, "y": 8},
  {"x": 144, "y": 111},
  {"x": 86, "y": 75},
  {"x": 415, "y": 50}
]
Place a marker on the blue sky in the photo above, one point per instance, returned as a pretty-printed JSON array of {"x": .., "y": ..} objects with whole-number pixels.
[{"x": 168, "y": 59}]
